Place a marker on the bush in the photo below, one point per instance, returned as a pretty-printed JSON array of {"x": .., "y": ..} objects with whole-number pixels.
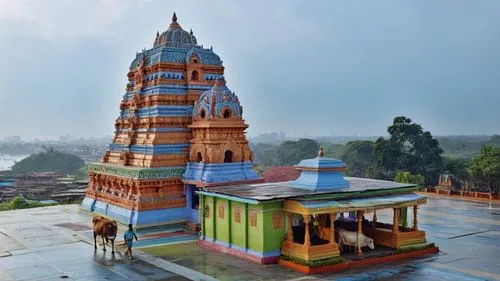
[
  {"x": 415, "y": 248},
  {"x": 19, "y": 202}
]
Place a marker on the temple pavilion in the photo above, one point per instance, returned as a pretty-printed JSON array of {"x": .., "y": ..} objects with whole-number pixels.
[
  {"x": 180, "y": 155},
  {"x": 300, "y": 219}
]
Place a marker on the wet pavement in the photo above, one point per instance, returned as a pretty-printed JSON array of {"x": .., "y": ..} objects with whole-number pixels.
[
  {"x": 47, "y": 244},
  {"x": 52, "y": 243}
]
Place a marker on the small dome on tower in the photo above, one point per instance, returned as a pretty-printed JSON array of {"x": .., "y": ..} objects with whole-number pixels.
[
  {"x": 218, "y": 102},
  {"x": 175, "y": 36}
]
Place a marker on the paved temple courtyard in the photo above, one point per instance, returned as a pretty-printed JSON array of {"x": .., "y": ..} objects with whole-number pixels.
[{"x": 55, "y": 243}]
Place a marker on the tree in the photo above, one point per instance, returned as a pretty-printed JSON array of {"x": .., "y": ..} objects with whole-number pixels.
[
  {"x": 406, "y": 177},
  {"x": 333, "y": 150},
  {"x": 458, "y": 167},
  {"x": 409, "y": 148},
  {"x": 50, "y": 161},
  {"x": 264, "y": 153},
  {"x": 485, "y": 168},
  {"x": 359, "y": 158},
  {"x": 292, "y": 152},
  {"x": 389, "y": 157}
]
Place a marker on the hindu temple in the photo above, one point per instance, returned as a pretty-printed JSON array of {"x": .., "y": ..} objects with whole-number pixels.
[
  {"x": 180, "y": 155},
  {"x": 179, "y": 128}
]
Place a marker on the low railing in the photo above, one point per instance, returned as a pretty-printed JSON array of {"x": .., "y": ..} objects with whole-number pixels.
[
  {"x": 388, "y": 238},
  {"x": 310, "y": 253},
  {"x": 466, "y": 194}
]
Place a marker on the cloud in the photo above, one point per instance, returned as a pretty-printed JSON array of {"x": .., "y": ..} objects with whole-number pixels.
[{"x": 61, "y": 20}]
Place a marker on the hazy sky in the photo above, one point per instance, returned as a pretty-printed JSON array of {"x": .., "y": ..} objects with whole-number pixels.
[{"x": 303, "y": 67}]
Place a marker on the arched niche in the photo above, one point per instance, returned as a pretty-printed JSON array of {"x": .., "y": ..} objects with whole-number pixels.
[
  {"x": 228, "y": 156},
  {"x": 195, "y": 75},
  {"x": 226, "y": 113}
]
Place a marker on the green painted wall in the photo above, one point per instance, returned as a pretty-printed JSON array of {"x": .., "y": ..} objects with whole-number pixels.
[
  {"x": 263, "y": 237},
  {"x": 222, "y": 223},
  {"x": 256, "y": 233},
  {"x": 274, "y": 234},
  {"x": 238, "y": 228},
  {"x": 209, "y": 227}
]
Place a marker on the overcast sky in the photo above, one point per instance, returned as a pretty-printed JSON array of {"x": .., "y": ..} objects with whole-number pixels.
[{"x": 303, "y": 67}]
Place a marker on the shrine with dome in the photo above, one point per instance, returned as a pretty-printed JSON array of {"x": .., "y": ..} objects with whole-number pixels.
[{"x": 180, "y": 155}]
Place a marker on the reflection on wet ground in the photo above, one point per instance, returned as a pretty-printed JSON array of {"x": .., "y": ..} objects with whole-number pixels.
[
  {"x": 46, "y": 244},
  {"x": 42, "y": 244}
]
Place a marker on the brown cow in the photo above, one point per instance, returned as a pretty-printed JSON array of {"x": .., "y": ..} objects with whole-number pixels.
[{"x": 107, "y": 229}]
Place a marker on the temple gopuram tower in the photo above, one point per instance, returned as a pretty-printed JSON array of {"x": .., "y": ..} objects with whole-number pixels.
[{"x": 139, "y": 180}]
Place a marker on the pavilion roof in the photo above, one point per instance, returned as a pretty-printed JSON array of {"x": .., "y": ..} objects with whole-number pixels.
[
  {"x": 359, "y": 204},
  {"x": 359, "y": 188}
]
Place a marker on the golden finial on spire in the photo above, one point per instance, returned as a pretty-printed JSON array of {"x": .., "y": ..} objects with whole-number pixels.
[
  {"x": 174, "y": 17},
  {"x": 321, "y": 153}
]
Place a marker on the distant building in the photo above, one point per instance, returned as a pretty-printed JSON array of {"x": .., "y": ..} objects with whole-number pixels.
[
  {"x": 446, "y": 183},
  {"x": 13, "y": 139}
]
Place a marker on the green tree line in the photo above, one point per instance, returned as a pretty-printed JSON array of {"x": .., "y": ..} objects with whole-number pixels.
[{"x": 408, "y": 154}]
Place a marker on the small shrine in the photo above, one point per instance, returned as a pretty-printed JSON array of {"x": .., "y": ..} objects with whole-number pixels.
[
  {"x": 311, "y": 219},
  {"x": 446, "y": 183}
]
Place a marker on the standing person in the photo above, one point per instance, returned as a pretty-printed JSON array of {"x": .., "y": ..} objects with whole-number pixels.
[{"x": 129, "y": 237}]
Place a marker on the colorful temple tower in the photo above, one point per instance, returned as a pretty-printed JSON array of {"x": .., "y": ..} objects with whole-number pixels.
[{"x": 140, "y": 179}]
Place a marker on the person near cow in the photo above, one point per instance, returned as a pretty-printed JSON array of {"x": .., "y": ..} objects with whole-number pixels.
[{"x": 129, "y": 238}]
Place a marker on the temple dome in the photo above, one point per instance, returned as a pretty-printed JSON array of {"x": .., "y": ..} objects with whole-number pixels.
[
  {"x": 175, "y": 36},
  {"x": 218, "y": 102},
  {"x": 321, "y": 173}
]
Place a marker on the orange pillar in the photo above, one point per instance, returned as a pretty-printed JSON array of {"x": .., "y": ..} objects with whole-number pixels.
[
  {"x": 395, "y": 221},
  {"x": 360, "y": 221},
  {"x": 332, "y": 228},
  {"x": 360, "y": 231},
  {"x": 290, "y": 233},
  {"x": 307, "y": 238}
]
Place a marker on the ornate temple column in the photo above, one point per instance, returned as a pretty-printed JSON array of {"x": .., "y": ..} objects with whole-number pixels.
[
  {"x": 374, "y": 220},
  {"x": 415, "y": 225},
  {"x": 289, "y": 228},
  {"x": 360, "y": 231},
  {"x": 395, "y": 220},
  {"x": 332, "y": 228},
  {"x": 360, "y": 221},
  {"x": 307, "y": 238}
]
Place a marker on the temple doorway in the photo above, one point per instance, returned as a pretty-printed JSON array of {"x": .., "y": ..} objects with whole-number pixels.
[{"x": 228, "y": 156}]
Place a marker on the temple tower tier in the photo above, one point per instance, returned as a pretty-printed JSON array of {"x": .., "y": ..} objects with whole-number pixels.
[{"x": 219, "y": 154}]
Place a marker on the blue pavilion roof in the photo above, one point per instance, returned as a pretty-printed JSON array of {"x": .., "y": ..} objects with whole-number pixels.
[
  {"x": 321, "y": 162},
  {"x": 320, "y": 173}
]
